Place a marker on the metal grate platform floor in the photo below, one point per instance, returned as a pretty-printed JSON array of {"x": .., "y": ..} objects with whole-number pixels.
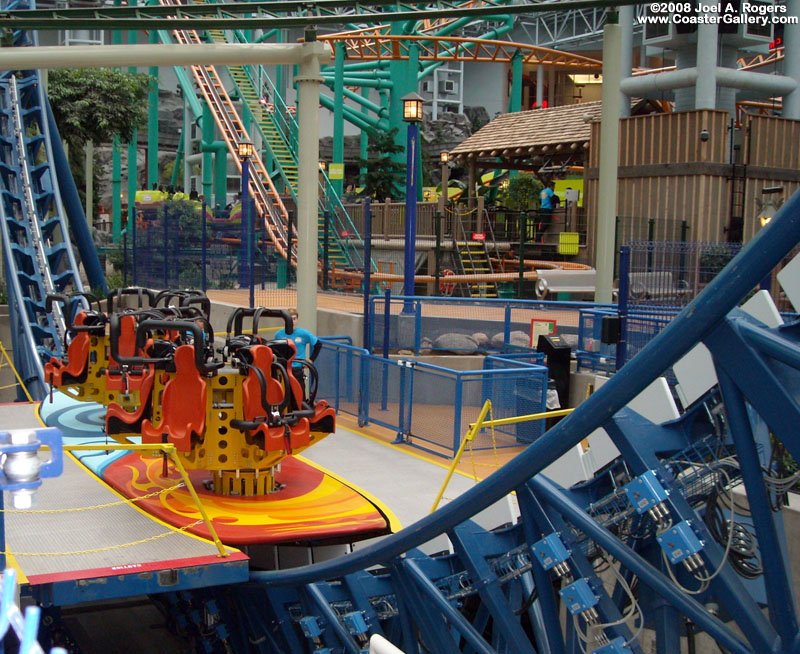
[{"x": 70, "y": 553}]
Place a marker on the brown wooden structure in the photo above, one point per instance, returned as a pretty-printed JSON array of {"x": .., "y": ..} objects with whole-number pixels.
[{"x": 668, "y": 170}]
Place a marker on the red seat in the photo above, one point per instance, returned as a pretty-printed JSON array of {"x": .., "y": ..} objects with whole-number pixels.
[
  {"x": 324, "y": 418},
  {"x": 126, "y": 347},
  {"x": 183, "y": 405},
  {"x": 288, "y": 351},
  {"x": 251, "y": 396},
  {"x": 74, "y": 370},
  {"x": 120, "y": 421},
  {"x": 274, "y": 437}
]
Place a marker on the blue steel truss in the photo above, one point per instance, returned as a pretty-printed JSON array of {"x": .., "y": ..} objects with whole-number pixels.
[
  {"x": 37, "y": 249},
  {"x": 490, "y": 593}
]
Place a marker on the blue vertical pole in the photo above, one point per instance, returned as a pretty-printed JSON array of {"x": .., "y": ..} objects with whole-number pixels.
[
  {"x": 367, "y": 271},
  {"x": 387, "y": 315},
  {"x": 176, "y": 262},
  {"x": 458, "y": 400},
  {"x": 244, "y": 267},
  {"x": 204, "y": 248},
  {"x": 133, "y": 246},
  {"x": 326, "y": 245},
  {"x": 251, "y": 237},
  {"x": 622, "y": 304},
  {"x": 165, "y": 249},
  {"x": 417, "y": 326},
  {"x": 411, "y": 215},
  {"x": 125, "y": 257}
]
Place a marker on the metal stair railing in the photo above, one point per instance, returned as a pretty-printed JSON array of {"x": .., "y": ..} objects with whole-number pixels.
[
  {"x": 267, "y": 201},
  {"x": 278, "y": 128},
  {"x": 458, "y": 227},
  {"x": 495, "y": 250},
  {"x": 282, "y": 118},
  {"x": 483, "y": 264}
]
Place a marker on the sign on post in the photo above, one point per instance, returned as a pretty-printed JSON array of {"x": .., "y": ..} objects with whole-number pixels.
[{"x": 541, "y": 327}]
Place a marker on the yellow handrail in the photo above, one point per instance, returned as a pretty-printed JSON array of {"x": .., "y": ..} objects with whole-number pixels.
[
  {"x": 169, "y": 449},
  {"x": 475, "y": 427}
]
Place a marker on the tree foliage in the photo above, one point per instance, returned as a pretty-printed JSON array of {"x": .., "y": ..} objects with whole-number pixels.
[
  {"x": 384, "y": 177},
  {"x": 521, "y": 192},
  {"x": 95, "y": 104}
]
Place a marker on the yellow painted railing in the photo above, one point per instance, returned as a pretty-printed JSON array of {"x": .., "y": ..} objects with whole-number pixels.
[{"x": 475, "y": 428}]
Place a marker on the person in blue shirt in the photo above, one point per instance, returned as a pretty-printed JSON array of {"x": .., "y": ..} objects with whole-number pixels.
[
  {"x": 308, "y": 345},
  {"x": 547, "y": 202}
]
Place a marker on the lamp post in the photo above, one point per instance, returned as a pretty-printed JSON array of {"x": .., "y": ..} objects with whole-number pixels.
[
  {"x": 246, "y": 267},
  {"x": 444, "y": 197},
  {"x": 412, "y": 114}
]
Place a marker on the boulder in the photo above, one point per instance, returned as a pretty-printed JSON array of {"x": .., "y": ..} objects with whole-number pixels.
[
  {"x": 481, "y": 339},
  {"x": 458, "y": 343}
]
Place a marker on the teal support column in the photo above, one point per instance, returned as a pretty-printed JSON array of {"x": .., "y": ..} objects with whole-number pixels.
[
  {"x": 338, "y": 116},
  {"x": 362, "y": 120},
  {"x": 208, "y": 160},
  {"x": 152, "y": 122},
  {"x": 116, "y": 166},
  {"x": 515, "y": 97},
  {"x": 132, "y": 178},
  {"x": 133, "y": 170},
  {"x": 177, "y": 179},
  {"x": 218, "y": 181},
  {"x": 403, "y": 85},
  {"x": 413, "y": 71},
  {"x": 116, "y": 189},
  {"x": 220, "y": 173},
  {"x": 364, "y": 142}
]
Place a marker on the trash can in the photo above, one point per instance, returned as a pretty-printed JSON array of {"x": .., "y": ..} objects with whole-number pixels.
[{"x": 505, "y": 290}]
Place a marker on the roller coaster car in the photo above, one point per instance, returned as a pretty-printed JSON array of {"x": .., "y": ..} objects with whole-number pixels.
[
  {"x": 77, "y": 373},
  {"x": 321, "y": 417},
  {"x": 141, "y": 361}
]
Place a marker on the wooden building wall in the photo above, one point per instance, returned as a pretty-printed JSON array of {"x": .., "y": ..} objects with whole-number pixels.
[{"x": 668, "y": 173}]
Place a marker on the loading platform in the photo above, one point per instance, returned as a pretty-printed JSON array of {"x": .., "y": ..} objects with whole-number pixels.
[{"x": 66, "y": 553}]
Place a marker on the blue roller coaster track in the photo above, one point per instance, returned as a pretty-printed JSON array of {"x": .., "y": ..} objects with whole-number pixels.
[{"x": 680, "y": 537}]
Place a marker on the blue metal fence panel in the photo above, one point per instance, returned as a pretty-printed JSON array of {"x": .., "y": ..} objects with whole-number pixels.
[
  {"x": 517, "y": 395},
  {"x": 465, "y": 325},
  {"x": 386, "y": 393},
  {"x": 341, "y": 368},
  {"x": 591, "y": 353},
  {"x": 431, "y": 406}
]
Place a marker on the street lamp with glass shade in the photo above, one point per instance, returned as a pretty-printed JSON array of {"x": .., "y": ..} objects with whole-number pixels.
[
  {"x": 412, "y": 114},
  {"x": 246, "y": 151},
  {"x": 412, "y": 107},
  {"x": 444, "y": 157}
]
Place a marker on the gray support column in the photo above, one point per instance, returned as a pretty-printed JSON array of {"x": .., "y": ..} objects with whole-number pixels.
[
  {"x": 705, "y": 94},
  {"x": 685, "y": 58},
  {"x": 188, "y": 119},
  {"x": 626, "y": 47},
  {"x": 727, "y": 95},
  {"x": 539, "y": 86},
  {"x": 609, "y": 160},
  {"x": 791, "y": 60},
  {"x": 308, "y": 83}
]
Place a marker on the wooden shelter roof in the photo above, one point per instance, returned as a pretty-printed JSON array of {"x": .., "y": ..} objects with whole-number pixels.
[{"x": 543, "y": 140}]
